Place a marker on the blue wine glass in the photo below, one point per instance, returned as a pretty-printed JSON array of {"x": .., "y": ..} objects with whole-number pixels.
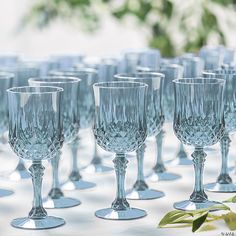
[
  {"x": 35, "y": 134},
  {"x": 155, "y": 120},
  {"x": 150, "y": 58},
  {"x": 23, "y": 71},
  {"x": 213, "y": 57},
  {"x": 224, "y": 181},
  {"x": 105, "y": 71},
  {"x": 128, "y": 62},
  {"x": 67, "y": 61},
  {"x": 70, "y": 116},
  {"x": 172, "y": 72},
  {"x": 85, "y": 103},
  {"x": 120, "y": 126},
  {"x": 198, "y": 121},
  {"x": 6, "y": 80},
  {"x": 193, "y": 67}
]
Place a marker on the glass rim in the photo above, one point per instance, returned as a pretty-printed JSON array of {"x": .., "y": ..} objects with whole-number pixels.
[
  {"x": 135, "y": 75},
  {"x": 186, "y": 81},
  {"x": 6, "y": 75},
  {"x": 55, "y": 79},
  {"x": 103, "y": 85},
  {"x": 54, "y": 89}
]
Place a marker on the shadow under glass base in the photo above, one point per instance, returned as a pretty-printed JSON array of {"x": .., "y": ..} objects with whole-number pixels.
[
  {"x": 61, "y": 202},
  {"x": 17, "y": 175},
  {"x": 188, "y": 205},
  {"x": 34, "y": 224},
  {"x": 70, "y": 185},
  {"x": 146, "y": 194},
  {"x": 96, "y": 168},
  {"x": 162, "y": 176},
  {"x": 5, "y": 192},
  {"x": 221, "y": 188},
  {"x": 181, "y": 162},
  {"x": 128, "y": 214}
]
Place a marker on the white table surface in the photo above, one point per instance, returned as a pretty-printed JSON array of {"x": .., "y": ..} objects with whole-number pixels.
[{"x": 80, "y": 220}]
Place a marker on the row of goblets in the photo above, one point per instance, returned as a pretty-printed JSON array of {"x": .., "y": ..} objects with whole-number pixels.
[
  {"x": 131, "y": 61},
  {"x": 125, "y": 115}
]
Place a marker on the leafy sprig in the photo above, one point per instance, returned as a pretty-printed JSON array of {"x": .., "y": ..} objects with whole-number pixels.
[{"x": 199, "y": 219}]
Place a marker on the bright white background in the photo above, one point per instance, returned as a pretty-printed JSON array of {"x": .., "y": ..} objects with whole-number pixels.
[
  {"x": 64, "y": 38},
  {"x": 61, "y": 37}
]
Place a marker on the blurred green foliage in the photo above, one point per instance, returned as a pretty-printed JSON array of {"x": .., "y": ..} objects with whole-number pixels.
[{"x": 174, "y": 26}]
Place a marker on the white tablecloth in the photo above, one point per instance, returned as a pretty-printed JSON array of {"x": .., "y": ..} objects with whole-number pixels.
[{"x": 80, "y": 220}]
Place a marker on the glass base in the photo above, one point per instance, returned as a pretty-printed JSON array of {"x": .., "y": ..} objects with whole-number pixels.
[
  {"x": 146, "y": 194},
  {"x": 62, "y": 202},
  {"x": 163, "y": 176},
  {"x": 46, "y": 223},
  {"x": 17, "y": 175},
  {"x": 221, "y": 188},
  {"x": 5, "y": 192},
  {"x": 188, "y": 205},
  {"x": 181, "y": 162},
  {"x": 96, "y": 168},
  {"x": 128, "y": 214},
  {"x": 70, "y": 185}
]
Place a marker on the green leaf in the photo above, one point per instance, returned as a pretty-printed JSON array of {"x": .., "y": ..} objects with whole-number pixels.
[
  {"x": 232, "y": 199},
  {"x": 230, "y": 220},
  {"x": 207, "y": 227},
  {"x": 198, "y": 221},
  {"x": 172, "y": 216}
]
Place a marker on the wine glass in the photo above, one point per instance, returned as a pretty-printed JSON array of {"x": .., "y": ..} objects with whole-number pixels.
[
  {"x": 159, "y": 171},
  {"x": 150, "y": 58},
  {"x": 6, "y": 80},
  {"x": 105, "y": 71},
  {"x": 23, "y": 71},
  {"x": 67, "y": 61},
  {"x": 120, "y": 126},
  {"x": 155, "y": 120},
  {"x": 172, "y": 72},
  {"x": 224, "y": 181},
  {"x": 198, "y": 121},
  {"x": 70, "y": 117},
  {"x": 213, "y": 57},
  {"x": 85, "y": 103},
  {"x": 193, "y": 67},
  {"x": 35, "y": 134}
]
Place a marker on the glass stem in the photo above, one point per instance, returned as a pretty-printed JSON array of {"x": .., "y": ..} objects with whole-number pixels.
[
  {"x": 55, "y": 191},
  {"x": 159, "y": 166},
  {"x": 20, "y": 166},
  {"x": 182, "y": 153},
  {"x": 36, "y": 171},
  {"x": 140, "y": 184},
  {"x": 96, "y": 159},
  {"x": 75, "y": 174},
  {"x": 224, "y": 177},
  {"x": 198, "y": 194},
  {"x": 120, "y": 163}
]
